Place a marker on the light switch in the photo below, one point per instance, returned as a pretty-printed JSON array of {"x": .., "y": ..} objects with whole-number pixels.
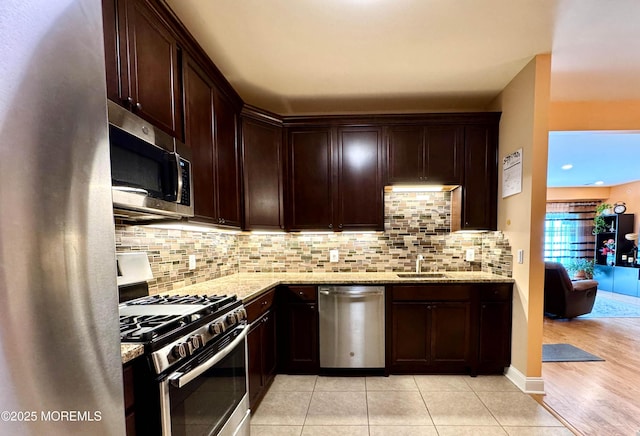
[
  {"x": 334, "y": 256},
  {"x": 192, "y": 261},
  {"x": 520, "y": 256}
]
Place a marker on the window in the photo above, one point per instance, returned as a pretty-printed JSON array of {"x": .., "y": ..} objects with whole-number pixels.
[{"x": 568, "y": 231}]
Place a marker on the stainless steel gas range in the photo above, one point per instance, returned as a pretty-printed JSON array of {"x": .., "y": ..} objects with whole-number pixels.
[{"x": 194, "y": 377}]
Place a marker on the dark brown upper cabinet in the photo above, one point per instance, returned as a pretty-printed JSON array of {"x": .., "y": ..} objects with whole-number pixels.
[
  {"x": 310, "y": 180},
  {"x": 227, "y": 180},
  {"x": 211, "y": 133},
  {"x": 143, "y": 63},
  {"x": 360, "y": 189},
  {"x": 198, "y": 115},
  {"x": 262, "y": 173},
  {"x": 425, "y": 154},
  {"x": 474, "y": 204},
  {"x": 335, "y": 178}
]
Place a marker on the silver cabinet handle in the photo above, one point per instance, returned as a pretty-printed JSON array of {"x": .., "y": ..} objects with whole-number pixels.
[
  {"x": 351, "y": 293},
  {"x": 179, "y": 193},
  {"x": 131, "y": 190}
]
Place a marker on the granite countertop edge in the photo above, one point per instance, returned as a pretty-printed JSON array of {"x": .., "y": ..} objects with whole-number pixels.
[{"x": 249, "y": 286}]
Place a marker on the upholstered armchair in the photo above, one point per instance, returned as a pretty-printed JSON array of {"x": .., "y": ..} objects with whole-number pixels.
[{"x": 564, "y": 298}]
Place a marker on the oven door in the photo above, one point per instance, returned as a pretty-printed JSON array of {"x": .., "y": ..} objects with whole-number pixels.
[{"x": 209, "y": 397}]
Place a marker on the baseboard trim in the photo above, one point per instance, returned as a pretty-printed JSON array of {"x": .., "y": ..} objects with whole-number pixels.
[{"x": 528, "y": 385}]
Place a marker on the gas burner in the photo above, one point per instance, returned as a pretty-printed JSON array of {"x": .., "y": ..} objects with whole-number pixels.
[
  {"x": 208, "y": 303},
  {"x": 157, "y": 319},
  {"x": 179, "y": 299},
  {"x": 146, "y": 327}
]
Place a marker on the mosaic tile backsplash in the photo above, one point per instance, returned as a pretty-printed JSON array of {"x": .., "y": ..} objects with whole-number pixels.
[{"x": 415, "y": 223}]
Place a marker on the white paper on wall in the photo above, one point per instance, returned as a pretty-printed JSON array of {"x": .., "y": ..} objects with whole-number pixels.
[{"x": 512, "y": 173}]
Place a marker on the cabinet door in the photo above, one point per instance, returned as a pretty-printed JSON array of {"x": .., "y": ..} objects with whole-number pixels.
[
  {"x": 302, "y": 356},
  {"x": 129, "y": 399},
  {"x": 444, "y": 152},
  {"x": 494, "y": 347},
  {"x": 405, "y": 154},
  {"x": 254, "y": 362},
  {"x": 198, "y": 105},
  {"x": 269, "y": 348},
  {"x": 410, "y": 339},
  {"x": 359, "y": 179},
  {"x": 111, "y": 59},
  {"x": 603, "y": 274},
  {"x": 479, "y": 191},
  {"x": 625, "y": 280},
  {"x": 149, "y": 66},
  {"x": 262, "y": 172},
  {"x": 450, "y": 330},
  {"x": 310, "y": 189},
  {"x": 226, "y": 162}
]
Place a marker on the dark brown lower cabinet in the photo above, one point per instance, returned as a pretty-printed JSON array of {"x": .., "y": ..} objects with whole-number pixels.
[
  {"x": 494, "y": 338},
  {"x": 299, "y": 353},
  {"x": 431, "y": 336},
  {"x": 261, "y": 343},
  {"x": 458, "y": 329},
  {"x": 261, "y": 346},
  {"x": 129, "y": 399}
]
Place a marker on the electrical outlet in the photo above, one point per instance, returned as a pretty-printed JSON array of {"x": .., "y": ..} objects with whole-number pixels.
[
  {"x": 192, "y": 261},
  {"x": 470, "y": 255},
  {"x": 334, "y": 256}
]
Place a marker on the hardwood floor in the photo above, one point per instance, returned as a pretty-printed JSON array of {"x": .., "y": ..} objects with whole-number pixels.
[{"x": 596, "y": 398}]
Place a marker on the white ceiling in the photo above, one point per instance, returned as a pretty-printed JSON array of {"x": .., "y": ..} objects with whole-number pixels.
[{"x": 349, "y": 56}]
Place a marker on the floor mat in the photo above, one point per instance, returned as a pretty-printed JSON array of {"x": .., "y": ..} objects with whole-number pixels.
[{"x": 566, "y": 353}]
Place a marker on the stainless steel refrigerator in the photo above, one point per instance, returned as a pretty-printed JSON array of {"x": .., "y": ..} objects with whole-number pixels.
[{"x": 60, "y": 370}]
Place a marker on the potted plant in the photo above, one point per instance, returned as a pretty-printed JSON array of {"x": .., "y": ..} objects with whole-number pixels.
[
  {"x": 581, "y": 268},
  {"x": 599, "y": 225}
]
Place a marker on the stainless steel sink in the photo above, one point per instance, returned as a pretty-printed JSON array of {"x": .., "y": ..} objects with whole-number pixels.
[{"x": 422, "y": 275}]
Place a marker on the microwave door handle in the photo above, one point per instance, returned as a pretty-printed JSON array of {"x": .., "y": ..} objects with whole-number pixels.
[
  {"x": 130, "y": 189},
  {"x": 179, "y": 175},
  {"x": 180, "y": 380}
]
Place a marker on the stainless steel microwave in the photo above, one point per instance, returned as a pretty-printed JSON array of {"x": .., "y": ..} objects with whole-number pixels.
[{"x": 150, "y": 179}]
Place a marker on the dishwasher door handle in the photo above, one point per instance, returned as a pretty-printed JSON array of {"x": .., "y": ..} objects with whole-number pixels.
[{"x": 351, "y": 293}]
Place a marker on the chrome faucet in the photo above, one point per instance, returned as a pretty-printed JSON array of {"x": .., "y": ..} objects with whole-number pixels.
[{"x": 419, "y": 260}]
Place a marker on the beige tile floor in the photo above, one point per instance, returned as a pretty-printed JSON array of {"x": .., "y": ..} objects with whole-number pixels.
[{"x": 429, "y": 405}]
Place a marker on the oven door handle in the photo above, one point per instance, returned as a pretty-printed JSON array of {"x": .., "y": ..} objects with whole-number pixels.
[{"x": 180, "y": 380}]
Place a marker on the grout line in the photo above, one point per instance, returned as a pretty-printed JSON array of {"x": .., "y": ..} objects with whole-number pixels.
[
  {"x": 425, "y": 404},
  {"x": 487, "y": 407}
]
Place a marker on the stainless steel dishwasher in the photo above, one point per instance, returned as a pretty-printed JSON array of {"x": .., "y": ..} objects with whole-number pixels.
[{"x": 351, "y": 326}]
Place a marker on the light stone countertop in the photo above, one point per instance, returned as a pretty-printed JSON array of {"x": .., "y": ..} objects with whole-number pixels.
[
  {"x": 248, "y": 286},
  {"x": 130, "y": 351}
]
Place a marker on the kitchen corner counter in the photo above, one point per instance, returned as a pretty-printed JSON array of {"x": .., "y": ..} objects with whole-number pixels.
[{"x": 248, "y": 286}]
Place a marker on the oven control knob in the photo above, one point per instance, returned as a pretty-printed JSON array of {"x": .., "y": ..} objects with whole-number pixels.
[
  {"x": 179, "y": 351},
  {"x": 197, "y": 341},
  {"x": 216, "y": 328},
  {"x": 241, "y": 314},
  {"x": 231, "y": 319}
]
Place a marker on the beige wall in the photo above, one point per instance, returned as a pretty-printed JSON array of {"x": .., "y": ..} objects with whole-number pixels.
[
  {"x": 594, "y": 115},
  {"x": 524, "y": 124}
]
